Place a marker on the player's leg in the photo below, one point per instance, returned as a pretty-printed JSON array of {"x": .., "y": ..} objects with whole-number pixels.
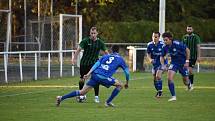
[
  {"x": 115, "y": 92},
  {"x": 96, "y": 90},
  {"x": 184, "y": 72},
  {"x": 81, "y": 98},
  {"x": 191, "y": 75},
  {"x": 154, "y": 78},
  {"x": 83, "y": 70},
  {"x": 111, "y": 82},
  {"x": 159, "y": 83},
  {"x": 170, "y": 75},
  {"x": 96, "y": 87},
  {"x": 75, "y": 93},
  {"x": 82, "y": 73}
]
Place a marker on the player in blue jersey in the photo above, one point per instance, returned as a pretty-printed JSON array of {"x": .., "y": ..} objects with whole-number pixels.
[
  {"x": 101, "y": 73},
  {"x": 180, "y": 55},
  {"x": 154, "y": 50}
]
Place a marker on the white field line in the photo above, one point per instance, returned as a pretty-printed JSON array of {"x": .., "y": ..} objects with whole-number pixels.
[
  {"x": 38, "y": 86},
  {"x": 181, "y": 87},
  {"x": 34, "y": 92},
  {"x": 25, "y": 93}
]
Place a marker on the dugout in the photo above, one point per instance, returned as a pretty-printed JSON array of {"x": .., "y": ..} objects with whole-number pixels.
[{"x": 136, "y": 58}]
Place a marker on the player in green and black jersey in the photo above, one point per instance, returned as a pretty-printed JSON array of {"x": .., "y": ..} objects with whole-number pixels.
[
  {"x": 92, "y": 46},
  {"x": 192, "y": 41}
]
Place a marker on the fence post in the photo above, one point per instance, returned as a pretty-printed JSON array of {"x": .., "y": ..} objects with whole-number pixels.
[
  {"x": 49, "y": 65},
  {"x": 198, "y": 67},
  {"x": 35, "y": 68},
  {"x": 20, "y": 67},
  {"x": 5, "y": 67}
]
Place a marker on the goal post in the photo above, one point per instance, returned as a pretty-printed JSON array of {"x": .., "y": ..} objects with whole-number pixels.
[
  {"x": 78, "y": 31},
  {"x": 78, "y": 28}
]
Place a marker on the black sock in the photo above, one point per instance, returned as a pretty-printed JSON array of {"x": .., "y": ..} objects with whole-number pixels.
[
  {"x": 191, "y": 78},
  {"x": 81, "y": 85},
  {"x": 96, "y": 89}
]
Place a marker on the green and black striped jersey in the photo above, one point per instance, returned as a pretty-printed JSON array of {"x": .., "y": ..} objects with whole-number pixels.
[
  {"x": 192, "y": 41},
  {"x": 91, "y": 50}
]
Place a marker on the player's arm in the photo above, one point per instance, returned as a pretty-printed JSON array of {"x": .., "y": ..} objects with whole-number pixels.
[
  {"x": 148, "y": 54},
  {"x": 74, "y": 57},
  {"x": 162, "y": 58},
  {"x": 104, "y": 49},
  {"x": 150, "y": 58},
  {"x": 187, "y": 57},
  {"x": 127, "y": 76},
  {"x": 103, "y": 52},
  {"x": 92, "y": 69},
  {"x": 126, "y": 72},
  {"x": 162, "y": 62}
]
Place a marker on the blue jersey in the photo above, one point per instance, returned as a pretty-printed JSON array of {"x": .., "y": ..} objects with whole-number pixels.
[
  {"x": 108, "y": 65},
  {"x": 177, "y": 52},
  {"x": 155, "y": 50}
]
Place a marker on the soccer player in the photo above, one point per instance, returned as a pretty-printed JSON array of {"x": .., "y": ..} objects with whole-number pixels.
[
  {"x": 92, "y": 46},
  {"x": 192, "y": 41},
  {"x": 101, "y": 73},
  {"x": 154, "y": 50},
  {"x": 180, "y": 55}
]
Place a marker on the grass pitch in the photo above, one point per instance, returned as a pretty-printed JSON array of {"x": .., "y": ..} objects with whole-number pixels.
[{"x": 35, "y": 101}]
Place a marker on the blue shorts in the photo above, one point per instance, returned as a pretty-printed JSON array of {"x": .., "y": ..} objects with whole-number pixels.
[
  {"x": 97, "y": 79},
  {"x": 183, "y": 71},
  {"x": 155, "y": 69}
]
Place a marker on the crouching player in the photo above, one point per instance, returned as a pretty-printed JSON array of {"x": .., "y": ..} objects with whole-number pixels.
[
  {"x": 101, "y": 73},
  {"x": 154, "y": 50}
]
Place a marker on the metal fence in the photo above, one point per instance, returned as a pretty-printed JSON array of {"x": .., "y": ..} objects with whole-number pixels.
[
  {"x": 33, "y": 65},
  {"x": 15, "y": 66}
]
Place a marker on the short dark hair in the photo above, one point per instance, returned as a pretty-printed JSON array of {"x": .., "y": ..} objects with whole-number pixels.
[
  {"x": 189, "y": 25},
  {"x": 93, "y": 28},
  {"x": 157, "y": 33},
  {"x": 115, "y": 48},
  {"x": 167, "y": 34}
]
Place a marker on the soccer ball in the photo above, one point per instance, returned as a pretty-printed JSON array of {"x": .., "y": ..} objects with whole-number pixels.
[{"x": 81, "y": 98}]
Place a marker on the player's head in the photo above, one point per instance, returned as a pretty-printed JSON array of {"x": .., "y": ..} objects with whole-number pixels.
[
  {"x": 115, "y": 49},
  {"x": 155, "y": 36},
  {"x": 167, "y": 38},
  {"x": 189, "y": 29},
  {"x": 93, "y": 33}
]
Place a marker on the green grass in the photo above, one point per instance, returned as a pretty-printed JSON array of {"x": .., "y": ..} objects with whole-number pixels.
[{"x": 137, "y": 103}]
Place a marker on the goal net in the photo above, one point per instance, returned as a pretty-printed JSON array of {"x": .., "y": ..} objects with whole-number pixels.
[{"x": 56, "y": 33}]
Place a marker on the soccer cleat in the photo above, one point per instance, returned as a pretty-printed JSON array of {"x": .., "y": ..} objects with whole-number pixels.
[
  {"x": 109, "y": 104},
  {"x": 58, "y": 100},
  {"x": 190, "y": 87},
  {"x": 172, "y": 99},
  {"x": 97, "y": 99},
  {"x": 158, "y": 94}
]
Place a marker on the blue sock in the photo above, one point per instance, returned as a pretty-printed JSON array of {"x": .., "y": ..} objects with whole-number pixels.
[
  {"x": 114, "y": 94},
  {"x": 156, "y": 85},
  {"x": 72, "y": 94},
  {"x": 159, "y": 85},
  {"x": 171, "y": 88}
]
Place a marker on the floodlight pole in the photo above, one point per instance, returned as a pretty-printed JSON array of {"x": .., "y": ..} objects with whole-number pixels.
[
  {"x": 25, "y": 24},
  {"x": 76, "y": 25},
  {"x": 162, "y": 8},
  {"x": 51, "y": 11},
  {"x": 8, "y": 28},
  {"x": 38, "y": 15}
]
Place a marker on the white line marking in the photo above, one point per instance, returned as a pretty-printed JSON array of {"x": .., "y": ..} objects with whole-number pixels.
[
  {"x": 39, "y": 86},
  {"x": 25, "y": 93}
]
